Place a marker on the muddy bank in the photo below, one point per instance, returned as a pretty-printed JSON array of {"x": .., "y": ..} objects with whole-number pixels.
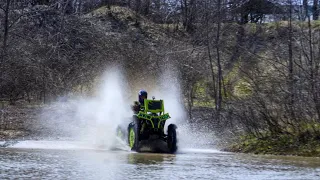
[
  {"x": 16, "y": 121},
  {"x": 32, "y": 121}
]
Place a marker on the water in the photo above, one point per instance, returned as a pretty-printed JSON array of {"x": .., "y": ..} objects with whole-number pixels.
[{"x": 74, "y": 160}]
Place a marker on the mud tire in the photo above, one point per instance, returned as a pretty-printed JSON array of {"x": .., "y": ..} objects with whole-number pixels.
[
  {"x": 133, "y": 136},
  {"x": 172, "y": 138}
]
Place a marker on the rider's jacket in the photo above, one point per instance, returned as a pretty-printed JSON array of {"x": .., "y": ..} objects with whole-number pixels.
[{"x": 136, "y": 107}]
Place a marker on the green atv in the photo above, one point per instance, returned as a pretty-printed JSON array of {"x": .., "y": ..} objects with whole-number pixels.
[{"x": 146, "y": 129}]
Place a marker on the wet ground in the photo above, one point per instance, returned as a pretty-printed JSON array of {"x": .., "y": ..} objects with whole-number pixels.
[{"x": 70, "y": 160}]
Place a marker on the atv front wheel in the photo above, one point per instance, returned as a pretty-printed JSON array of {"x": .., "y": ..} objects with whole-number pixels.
[
  {"x": 133, "y": 136},
  {"x": 172, "y": 138}
]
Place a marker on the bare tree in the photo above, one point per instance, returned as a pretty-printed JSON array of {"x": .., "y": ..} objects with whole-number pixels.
[
  {"x": 219, "y": 101},
  {"x": 315, "y": 9},
  {"x": 188, "y": 8},
  {"x": 291, "y": 86}
]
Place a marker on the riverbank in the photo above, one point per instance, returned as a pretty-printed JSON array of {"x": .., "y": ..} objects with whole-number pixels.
[
  {"x": 303, "y": 144},
  {"x": 33, "y": 121},
  {"x": 16, "y": 122}
]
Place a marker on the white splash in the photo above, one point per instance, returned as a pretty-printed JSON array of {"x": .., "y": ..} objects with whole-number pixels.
[
  {"x": 93, "y": 120},
  {"x": 58, "y": 145},
  {"x": 102, "y": 114}
]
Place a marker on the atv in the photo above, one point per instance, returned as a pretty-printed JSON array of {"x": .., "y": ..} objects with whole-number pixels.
[{"x": 147, "y": 129}]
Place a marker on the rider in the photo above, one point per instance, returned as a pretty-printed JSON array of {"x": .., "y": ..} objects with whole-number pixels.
[{"x": 138, "y": 105}]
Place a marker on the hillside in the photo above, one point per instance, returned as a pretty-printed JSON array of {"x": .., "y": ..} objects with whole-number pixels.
[{"x": 61, "y": 54}]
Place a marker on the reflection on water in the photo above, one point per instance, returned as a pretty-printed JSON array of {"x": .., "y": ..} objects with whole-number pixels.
[
  {"x": 99, "y": 164},
  {"x": 152, "y": 158}
]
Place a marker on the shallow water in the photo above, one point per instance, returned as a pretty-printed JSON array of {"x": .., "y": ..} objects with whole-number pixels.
[{"x": 73, "y": 160}]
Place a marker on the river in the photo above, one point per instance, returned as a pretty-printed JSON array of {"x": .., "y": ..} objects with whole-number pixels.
[{"x": 69, "y": 160}]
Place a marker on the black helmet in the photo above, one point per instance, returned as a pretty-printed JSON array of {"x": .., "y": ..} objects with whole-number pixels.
[{"x": 142, "y": 93}]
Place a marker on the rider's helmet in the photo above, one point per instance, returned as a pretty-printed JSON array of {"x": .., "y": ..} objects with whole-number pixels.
[{"x": 142, "y": 95}]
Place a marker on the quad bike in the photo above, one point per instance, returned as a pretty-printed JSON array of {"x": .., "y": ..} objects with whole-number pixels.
[{"x": 147, "y": 129}]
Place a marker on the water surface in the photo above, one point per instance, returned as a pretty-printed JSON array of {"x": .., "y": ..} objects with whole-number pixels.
[{"x": 73, "y": 161}]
